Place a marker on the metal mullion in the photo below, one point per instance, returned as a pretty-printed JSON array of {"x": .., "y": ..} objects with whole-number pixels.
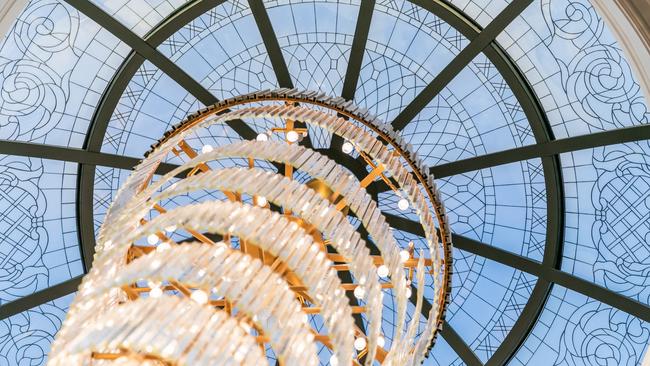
[
  {"x": 355, "y": 61},
  {"x": 454, "y": 340},
  {"x": 464, "y": 57},
  {"x": 141, "y": 48},
  {"x": 274, "y": 51},
  {"x": 39, "y": 297},
  {"x": 550, "y": 148}
]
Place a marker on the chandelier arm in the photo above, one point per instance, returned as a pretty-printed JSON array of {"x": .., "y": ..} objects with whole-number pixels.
[
  {"x": 213, "y": 268},
  {"x": 268, "y": 230},
  {"x": 158, "y": 334},
  {"x": 319, "y": 167},
  {"x": 394, "y": 163},
  {"x": 295, "y": 196}
]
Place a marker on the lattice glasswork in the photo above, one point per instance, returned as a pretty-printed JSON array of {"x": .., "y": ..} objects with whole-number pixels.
[
  {"x": 113, "y": 332},
  {"x": 489, "y": 298},
  {"x": 316, "y": 51},
  {"x": 406, "y": 47},
  {"x": 54, "y": 65},
  {"x": 25, "y": 338},
  {"x": 504, "y": 206},
  {"x": 576, "y": 330},
  {"x": 223, "y": 50},
  {"x": 607, "y": 193},
  {"x": 152, "y": 99},
  {"x": 481, "y": 11},
  {"x": 38, "y": 227},
  {"x": 575, "y": 66},
  {"x": 140, "y": 16}
]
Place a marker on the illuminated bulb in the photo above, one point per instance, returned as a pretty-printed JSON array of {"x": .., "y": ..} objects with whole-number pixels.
[
  {"x": 408, "y": 292},
  {"x": 334, "y": 361},
  {"x": 381, "y": 341},
  {"x": 382, "y": 271},
  {"x": 163, "y": 246},
  {"x": 152, "y": 239},
  {"x": 155, "y": 292},
  {"x": 404, "y": 255},
  {"x": 403, "y": 204},
  {"x": 262, "y": 137},
  {"x": 206, "y": 149},
  {"x": 292, "y": 136},
  {"x": 199, "y": 296},
  {"x": 347, "y": 147},
  {"x": 171, "y": 228},
  {"x": 359, "y": 344},
  {"x": 261, "y": 201},
  {"x": 359, "y": 292}
]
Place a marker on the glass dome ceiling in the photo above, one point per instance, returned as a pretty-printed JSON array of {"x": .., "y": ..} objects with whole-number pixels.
[{"x": 527, "y": 111}]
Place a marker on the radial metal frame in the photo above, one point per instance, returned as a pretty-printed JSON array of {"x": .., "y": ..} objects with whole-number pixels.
[{"x": 481, "y": 40}]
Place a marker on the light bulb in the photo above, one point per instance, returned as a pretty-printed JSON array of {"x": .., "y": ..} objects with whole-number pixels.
[
  {"x": 382, "y": 271},
  {"x": 292, "y": 136},
  {"x": 163, "y": 246},
  {"x": 408, "y": 292},
  {"x": 262, "y": 137},
  {"x": 261, "y": 201},
  {"x": 404, "y": 255},
  {"x": 199, "y": 296},
  {"x": 206, "y": 149},
  {"x": 359, "y": 344},
  {"x": 403, "y": 204},
  {"x": 171, "y": 228},
  {"x": 334, "y": 361},
  {"x": 359, "y": 292},
  {"x": 155, "y": 292},
  {"x": 347, "y": 147},
  {"x": 152, "y": 239},
  {"x": 381, "y": 341}
]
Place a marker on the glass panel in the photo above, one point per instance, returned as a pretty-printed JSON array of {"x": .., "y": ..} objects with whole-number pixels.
[
  {"x": 576, "y": 330},
  {"x": 223, "y": 50},
  {"x": 407, "y": 47},
  {"x": 39, "y": 246},
  {"x": 151, "y": 103},
  {"x": 54, "y": 66},
  {"x": 487, "y": 299},
  {"x": 481, "y": 11},
  {"x": 139, "y": 15},
  {"x": 25, "y": 338},
  {"x": 442, "y": 354},
  {"x": 504, "y": 206},
  {"x": 475, "y": 114},
  {"x": 607, "y": 231},
  {"x": 575, "y": 67},
  {"x": 316, "y": 38}
]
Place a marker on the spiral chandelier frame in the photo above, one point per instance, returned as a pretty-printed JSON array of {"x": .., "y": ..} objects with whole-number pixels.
[{"x": 282, "y": 245}]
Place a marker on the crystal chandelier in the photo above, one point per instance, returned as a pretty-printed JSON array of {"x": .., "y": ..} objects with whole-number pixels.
[{"x": 271, "y": 264}]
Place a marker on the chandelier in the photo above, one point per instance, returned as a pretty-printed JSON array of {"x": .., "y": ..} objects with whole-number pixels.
[{"x": 271, "y": 264}]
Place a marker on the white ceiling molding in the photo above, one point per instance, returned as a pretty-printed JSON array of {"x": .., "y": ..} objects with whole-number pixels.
[
  {"x": 9, "y": 10},
  {"x": 629, "y": 21}
]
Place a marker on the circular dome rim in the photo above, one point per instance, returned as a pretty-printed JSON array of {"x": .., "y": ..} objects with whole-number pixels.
[{"x": 549, "y": 269}]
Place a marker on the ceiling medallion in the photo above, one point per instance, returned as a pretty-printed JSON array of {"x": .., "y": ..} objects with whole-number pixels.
[{"x": 265, "y": 261}]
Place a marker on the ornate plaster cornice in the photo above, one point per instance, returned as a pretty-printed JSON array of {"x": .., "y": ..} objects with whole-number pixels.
[{"x": 9, "y": 10}]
